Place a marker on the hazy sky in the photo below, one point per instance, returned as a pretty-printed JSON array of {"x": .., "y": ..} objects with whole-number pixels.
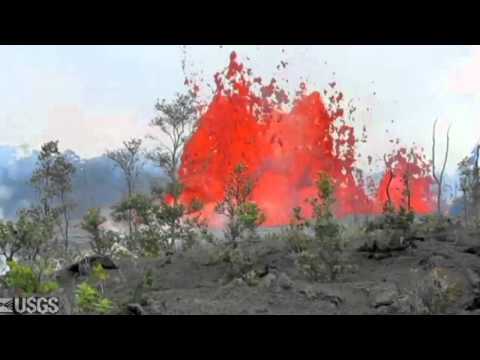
[{"x": 93, "y": 97}]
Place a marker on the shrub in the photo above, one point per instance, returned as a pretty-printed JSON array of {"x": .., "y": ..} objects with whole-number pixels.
[
  {"x": 22, "y": 277},
  {"x": 48, "y": 287},
  {"x": 298, "y": 241},
  {"x": 101, "y": 242},
  {"x": 436, "y": 292},
  {"x": 295, "y": 234},
  {"x": 90, "y": 300},
  {"x": 239, "y": 261},
  {"x": 321, "y": 255},
  {"x": 27, "y": 237},
  {"x": 99, "y": 276},
  {"x": 392, "y": 219},
  {"x": 25, "y": 278},
  {"x": 160, "y": 227},
  {"x": 242, "y": 214},
  {"x": 310, "y": 265}
]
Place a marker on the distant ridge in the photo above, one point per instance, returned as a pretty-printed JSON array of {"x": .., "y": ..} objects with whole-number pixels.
[{"x": 96, "y": 183}]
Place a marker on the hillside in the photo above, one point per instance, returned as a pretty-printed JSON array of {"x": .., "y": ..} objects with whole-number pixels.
[{"x": 96, "y": 182}]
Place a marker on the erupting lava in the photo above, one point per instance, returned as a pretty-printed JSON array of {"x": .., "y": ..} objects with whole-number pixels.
[{"x": 284, "y": 149}]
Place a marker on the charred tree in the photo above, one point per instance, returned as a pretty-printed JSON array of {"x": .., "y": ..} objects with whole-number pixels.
[{"x": 439, "y": 179}]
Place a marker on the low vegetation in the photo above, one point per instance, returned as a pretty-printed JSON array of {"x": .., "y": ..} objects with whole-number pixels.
[{"x": 317, "y": 242}]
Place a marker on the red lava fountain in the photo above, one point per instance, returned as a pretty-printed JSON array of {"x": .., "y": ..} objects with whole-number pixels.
[{"x": 284, "y": 150}]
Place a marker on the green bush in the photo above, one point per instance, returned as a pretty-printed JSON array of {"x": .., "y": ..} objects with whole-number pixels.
[
  {"x": 26, "y": 279},
  {"x": 101, "y": 241},
  {"x": 439, "y": 291},
  {"x": 243, "y": 216},
  {"x": 27, "y": 237},
  {"x": 321, "y": 255},
  {"x": 158, "y": 227},
  {"x": 22, "y": 277},
  {"x": 89, "y": 300},
  {"x": 391, "y": 218},
  {"x": 298, "y": 241},
  {"x": 48, "y": 287}
]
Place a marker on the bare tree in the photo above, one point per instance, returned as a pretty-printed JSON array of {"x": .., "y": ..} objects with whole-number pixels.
[
  {"x": 476, "y": 183},
  {"x": 389, "y": 204},
  {"x": 128, "y": 159},
  {"x": 439, "y": 180},
  {"x": 62, "y": 181},
  {"x": 466, "y": 186}
]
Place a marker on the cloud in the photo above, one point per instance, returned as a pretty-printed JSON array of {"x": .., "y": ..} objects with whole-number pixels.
[{"x": 465, "y": 77}]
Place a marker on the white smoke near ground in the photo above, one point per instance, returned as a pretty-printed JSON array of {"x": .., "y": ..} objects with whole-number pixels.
[
  {"x": 110, "y": 224},
  {"x": 5, "y": 194},
  {"x": 4, "y": 268}
]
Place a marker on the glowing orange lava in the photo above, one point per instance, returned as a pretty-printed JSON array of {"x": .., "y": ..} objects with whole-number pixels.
[{"x": 247, "y": 122}]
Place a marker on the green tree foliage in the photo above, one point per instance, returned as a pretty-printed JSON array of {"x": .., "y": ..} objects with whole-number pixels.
[
  {"x": 100, "y": 276},
  {"x": 29, "y": 279},
  {"x": 128, "y": 159},
  {"x": 89, "y": 300},
  {"x": 176, "y": 121},
  {"x": 320, "y": 255},
  {"x": 53, "y": 181},
  {"x": 469, "y": 173},
  {"x": 89, "y": 295},
  {"x": 28, "y": 236},
  {"x": 160, "y": 226},
  {"x": 242, "y": 214},
  {"x": 392, "y": 219},
  {"x": 101, "y": 241}
]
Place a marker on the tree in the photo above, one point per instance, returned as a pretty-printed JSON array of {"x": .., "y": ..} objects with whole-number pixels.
[
  {"x": 41, "y": 178},
  {"x": 101, "y": 241},
  {"x": 439, "y": 180},
  {"x": 470, "y": 185},
  {"x": 27, "y": 236},
  {"x": 324, "y": 223},
  {"x": 241, "y": 213},
  {"x": 177, "y": 121},
  {"x": 322, "y": 253},
  {"x": 128, "y": 159},
  {"x": 62, "y": 182},
  {"x": 10, "y": 244},
  {"x": 159, "y": 225},
  {"x": 389, "y": 205},
  {"x": 53, "y": 181},
  {"x": 407, "y": 176},
  {"x": 476, "y": 183}
]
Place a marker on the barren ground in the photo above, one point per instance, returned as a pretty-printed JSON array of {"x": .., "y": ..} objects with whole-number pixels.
[{"x": 189, "y": 283}]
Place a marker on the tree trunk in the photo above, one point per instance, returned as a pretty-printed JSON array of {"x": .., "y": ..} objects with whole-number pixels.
[
  {"x": 389, "y": 199},
  {"x": 67, "y": 224},
  {"x": 476, "y": 185},
  {"x": 439, "y": 181}
]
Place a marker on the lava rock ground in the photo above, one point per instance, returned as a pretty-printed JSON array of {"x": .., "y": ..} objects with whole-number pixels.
[{"x": 189, "y": 283}]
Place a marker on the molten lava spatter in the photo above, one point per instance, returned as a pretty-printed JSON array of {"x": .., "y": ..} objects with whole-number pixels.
[
  {"x": 283, "y": 149},
  {"x": 408, "y": 182}
]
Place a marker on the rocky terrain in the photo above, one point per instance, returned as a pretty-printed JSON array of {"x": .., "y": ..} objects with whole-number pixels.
[{"x": 433, "y": 277}]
